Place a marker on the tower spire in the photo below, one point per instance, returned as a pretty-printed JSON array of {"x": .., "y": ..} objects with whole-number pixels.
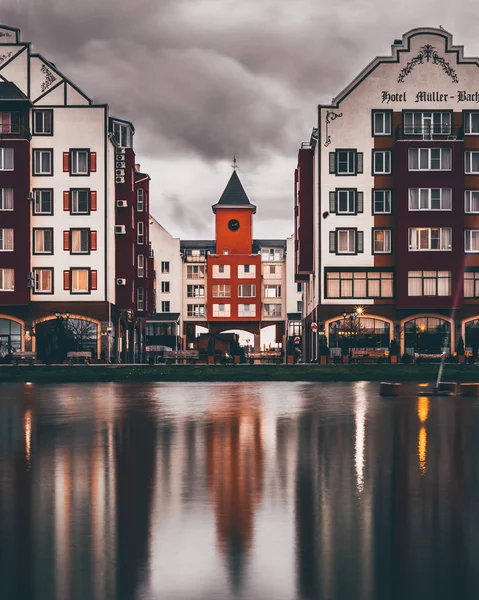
[{"x": 235, "y": 164}]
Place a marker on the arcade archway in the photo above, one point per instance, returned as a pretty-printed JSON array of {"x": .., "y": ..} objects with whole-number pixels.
[{"x": 55, "y": 337}]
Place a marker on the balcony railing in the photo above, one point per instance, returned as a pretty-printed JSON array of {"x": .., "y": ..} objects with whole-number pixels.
[
  {"x": 195, "y": 258},
  {"x": 430, "y": 133}
]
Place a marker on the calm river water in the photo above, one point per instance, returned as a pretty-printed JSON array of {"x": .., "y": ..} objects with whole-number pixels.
[{"x": 274, "y": 491}]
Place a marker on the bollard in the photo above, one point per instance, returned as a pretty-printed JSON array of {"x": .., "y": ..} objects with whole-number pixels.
[
  {"x": 389, "y": 389},
  {"x": 469, "y": 389},
  {"x": 448, "y": 387}
]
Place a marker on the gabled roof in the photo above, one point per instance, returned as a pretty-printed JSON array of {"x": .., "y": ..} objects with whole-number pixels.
[
  {"x": 9, "y": 91},
  {"x": 234, "y": 195}
]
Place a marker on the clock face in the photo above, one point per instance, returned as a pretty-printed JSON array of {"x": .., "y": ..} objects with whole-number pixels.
[{"x": 233, "y": 224}]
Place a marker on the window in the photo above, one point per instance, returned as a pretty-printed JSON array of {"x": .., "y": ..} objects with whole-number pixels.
[
  {"x": 43, "y": 202},
  {"x": 274, "y": 254},
  {"x": 471, "y": 284},
  {"x": 43, "y": 122},
  {"x": 80, "y": 162},
  {"x": 272, "y": 271},
  {"x": 6, "y": 159},
  {"x": 80, "y": 241},
  {"x": 346, "y": 202},
  {"x": 430, "y": 199},
  {"x": 7, "y": 277},
  {"x": 427, "y": 123},
  {"x": 382, "y": 202},
  {"x": 471, "y": 161},
  {"x": 472, "y": 240},
  {"x": 381, "y": 241},
  {"x": 140, "y": 299},
  {"x": 140, "y": 266},
  {"x": 165, "y": 287},
  {"x": 9, "y": 122},
  {"x": 195, "y": 272},
  {"x": 429, "y": 283},
  {"x": 299, "y": 287},
  {"x": 195, "y": 291},
  {"x": 43, "y": 241},
  {"x": 140, "y": 196},
  {"x": 346, "y": 162},
  {"x": 122, "y": 134},
  {"x": 80, "y": 202},
  {"x": 80, "y": 281},
  {"x": 195, "y": 310},
  {"x": 247, "y": 291},
  {"x": 430, "y": 159},
  {"x": 247, "y": 271},
  {"x": 43, "y": 281},
  {"x": 381, "y": 123},
  {"x": 272, "y": 310},
  {"x": 193, "y": 255},
  {"x": 221, "y": 271},
  {"x": 359, "y": 284},
  {"x": 43, "y": 162},
  {"x": 6, "y": 199},
  {"x": 165, "y": 266},
  {"x": 471, "y": 122},
  {"x": 221, "y": 310},
  {"x": 299, "y": 306},
  {"x": 472, "y": 201},
  {"x": 221, "y": 291},
  {"x": 346, "y": 241},
  {"x": 6, "y": 240},
  {"x": 430, "y": 238},
  {"x": 165, "y": 306},
  {"x": 140, "y": 232},
  {"x": 272, "y": 291},
  {"x": 246, "y": 310},
  {"x": 381, "y": 162}
]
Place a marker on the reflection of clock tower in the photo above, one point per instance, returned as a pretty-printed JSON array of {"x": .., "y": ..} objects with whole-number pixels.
[{"x": 234, "y": 273}]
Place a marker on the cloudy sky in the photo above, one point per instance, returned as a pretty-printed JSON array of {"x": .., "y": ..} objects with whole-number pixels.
[{"x": 205, "y": 79}]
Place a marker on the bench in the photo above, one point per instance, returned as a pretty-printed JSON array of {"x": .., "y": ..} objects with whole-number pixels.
[
  {"x": 79, "y": 357},
  {"x": 188, "y": 356},
  {"x": 370, "y": 356},
  {"x": 420, "y": 358},
  {"x": 266, "y": 356},
  {"x": 24, "y": 358}
]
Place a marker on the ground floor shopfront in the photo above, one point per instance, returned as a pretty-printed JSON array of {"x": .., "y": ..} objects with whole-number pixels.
[
  {"x": 51, "y": 332},
  {"x": 352, "y": 329}
]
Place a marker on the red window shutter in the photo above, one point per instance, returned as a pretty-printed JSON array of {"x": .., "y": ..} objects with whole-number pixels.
[
  {"x": 94, "y": 280},
  {"x": 92, "y": 201},
  {"x": 66, "y": 201},
  {"x": 66, "y": 162},
  {"x": 66, "y": 241},
  {"x": 93, "y": 162},
  {"x": 93, "y": 240},
  {"x": 66, "y": 280}
]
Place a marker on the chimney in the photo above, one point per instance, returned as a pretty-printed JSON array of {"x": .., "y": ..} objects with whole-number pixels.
[{"x": 138, "y": 168}]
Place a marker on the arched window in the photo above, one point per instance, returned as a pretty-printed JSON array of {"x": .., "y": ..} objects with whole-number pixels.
[
  {"x": 364, "y": 332},
  {"x": 10, "y": 336},
  {"x": 427, "y": 335}
]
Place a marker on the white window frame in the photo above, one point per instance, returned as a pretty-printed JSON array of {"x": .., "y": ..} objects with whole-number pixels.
[
  {"x": 247, "y": 310},
  {"x": 6, "y": 199},
  {"x": 40, "y": 112},
  {"x": 41, "y": 236},
  {"x": 3, "y": 279},
  {"x": 468, "y": 122},
  {"x": 351, "y": 235},
  {"x": 40, "y": 153},
  {"x": 38, "y": 202},
  {"x": 431, "y": 123},
  {"x": 222, "y": 310},
  {"x": 242, "y": 292},
  {"x": 350, "y": 200},
  {"x": 350, "y": 162},
  {"x": 74, "y": 161},
  {"x": 75, "y": 202},
  {"x": 78, "y": 290},
  {"x": 471, "y": 197},
  {"x": 165, "y": 287},
  {"x": 436, "y": 277},
  {"x": 426, "y": 194},
  {"x": 415, "y": 237},
  {"x": 469, "y": 234},
  {"x": 7, "y": 162},
  {"x": 38, "y": 274},
  {"x": 427, "y": 153},
  {"x": 140, "y": 298},
  {"x": 386, "y": 128},
  {"x": 7, "y": 236},
  {"x": 140, "y": 199},
  {"x": 387, "y": 241},
  {"x": 165, "y": 266},
  {"x": 195, "y": 272},
  {"x": 221, "y": 290},
  {"x": 272, "y": 308},
  {"x": 83, "y": 240},
  {"x": 140, "y": 265},
  {"x": 386, "y": 200},
  {"x": 192, "y": 289},
  {"x": 387, "y": 160},
  {"x": 166, "y": 306},
  {"x": 195, "y": 310},
  {"x": 272, "y": 287},
  {"x": 140, "y": 233},
  {"x": 468, "y": 161},
  {"x": 221, "y": 271}
]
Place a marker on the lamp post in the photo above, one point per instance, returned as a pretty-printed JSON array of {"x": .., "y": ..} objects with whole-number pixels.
[
  {"x": 61, "y": 323},
  {"x": 351, "y": 324}
]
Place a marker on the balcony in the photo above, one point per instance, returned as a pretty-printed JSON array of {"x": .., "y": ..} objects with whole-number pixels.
[{"x": 429, "y": 133}]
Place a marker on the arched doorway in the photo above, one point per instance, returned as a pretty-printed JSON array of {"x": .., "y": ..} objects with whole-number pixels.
[
  {"x": 55, "y": 337},
  {"x": 471, "y": 335},
  {"x": 10, "y": 338},
  {"x": 368, "y": 333},
  {"x": 427, "y": 335}
]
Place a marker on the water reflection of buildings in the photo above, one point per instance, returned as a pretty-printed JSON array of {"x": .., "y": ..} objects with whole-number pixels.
[{"x": 235, "y": 476}]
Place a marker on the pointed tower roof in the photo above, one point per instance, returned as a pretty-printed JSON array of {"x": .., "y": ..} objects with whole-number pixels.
[{"x": 234, "y": 195}]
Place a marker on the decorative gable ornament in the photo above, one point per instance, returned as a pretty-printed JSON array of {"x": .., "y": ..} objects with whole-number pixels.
[{"x": 428, "y": 53}]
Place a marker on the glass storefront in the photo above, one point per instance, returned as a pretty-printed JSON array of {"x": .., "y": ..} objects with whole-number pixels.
[
  {"x": 362, "y": 333},
  {"x": 10, "y": 337},
  {"x": 427, "y": 335}
]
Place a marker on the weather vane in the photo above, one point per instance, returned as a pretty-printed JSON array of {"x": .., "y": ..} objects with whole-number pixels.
[{"x": 235, "y": 164}]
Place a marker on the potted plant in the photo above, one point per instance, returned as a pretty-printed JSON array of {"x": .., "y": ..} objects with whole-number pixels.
[
  {"x": 211, "y": 350},
  {"x": 393, "y": 351},
  {"x": 323, "y": 351},
  {"x": 290, "y": 352},
  {"x": 406, "y": 359},
  {"x": 344, "y": 353},
  {"x": 461, "y": 358}
]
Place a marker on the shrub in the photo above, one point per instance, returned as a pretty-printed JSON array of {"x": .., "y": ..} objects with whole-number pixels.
[
  {"x": 394, "y": 348},
  {"x": 406, "y": 359},
  {"x": 460, "y": 346}
]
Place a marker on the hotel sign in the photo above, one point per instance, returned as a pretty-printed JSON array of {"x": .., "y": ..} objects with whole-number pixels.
[{"x": 422, "y": 96}]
